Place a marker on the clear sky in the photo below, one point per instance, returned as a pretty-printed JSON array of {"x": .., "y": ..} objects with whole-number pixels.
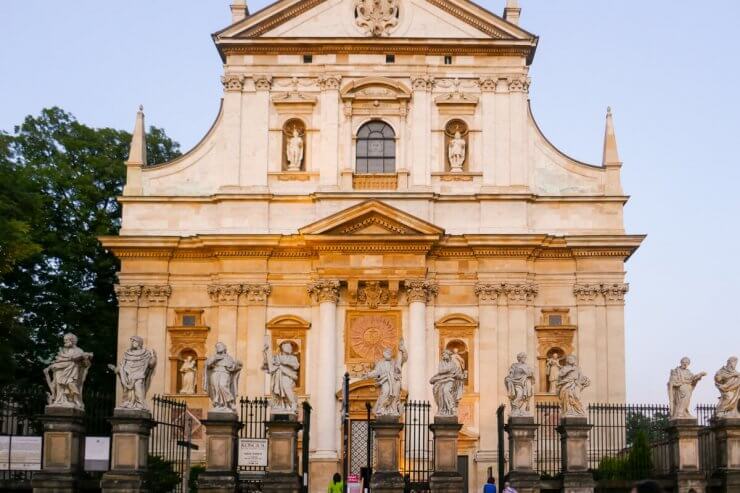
[{"x": 669, "y": 68}]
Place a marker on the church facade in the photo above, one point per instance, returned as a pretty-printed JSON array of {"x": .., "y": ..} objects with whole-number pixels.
[{"x": 375, "y": 174}]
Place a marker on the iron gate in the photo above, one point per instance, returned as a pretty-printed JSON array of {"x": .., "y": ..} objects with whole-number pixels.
[
  {"x": 170, "y": 421},
  {"x": 253, "y": 415},
  {"x": 418, "y": 446}
]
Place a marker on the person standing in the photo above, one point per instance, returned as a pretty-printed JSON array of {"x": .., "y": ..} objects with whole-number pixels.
[
  {"x": 336, "y": 485},
  {"x": 508, "y": 488},
  {"x": 490, "y": 486}
]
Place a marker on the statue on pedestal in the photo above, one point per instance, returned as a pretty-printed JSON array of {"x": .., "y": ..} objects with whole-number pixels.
[
  {"x": 727, "y": 381},
  {"x": 448, "y": 384},
  {"x": 221, "y": 379},
  {"x": 387, "y": 375},
  {"x": 520, "y": 386},
  {"x": 571, "y": 382},
  {"x": 66, "y": 375},
  {"x": 456, "y": 153},
  {"x": 553, "y": 371},
  {"x": 283, "y": 371},
  {"x": 294, "y": 151},
  {"x": 189, "y": 372},
  {"x": 135, "y": 373},
  {"x": 681, "y": 385}
]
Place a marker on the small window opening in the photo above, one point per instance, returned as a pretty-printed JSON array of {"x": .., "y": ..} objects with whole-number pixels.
[
  {"x": 448, "y": 59},
  {"x": 390, "y": 59},
  {"x": 307, "y": 58}
]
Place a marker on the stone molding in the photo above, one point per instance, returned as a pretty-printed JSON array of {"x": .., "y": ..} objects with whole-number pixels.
[
  {"x": 156, "y": 294},
  {"x": 233, "y": 82},
  {"x": 613, "y": 293},
  {"x": 128, "y": 295},
  {"x": 262, "y": 82},
  {"x": 419, "y": 290},
  {"x": 225, "y": 294},
  {"x": 324, "y": 291},
  {"x": 256, "y": 293},
  {"x": 329, "y": 82},
  {"x": 514, "y": 293},
  {"x": 422, "y": 82}
]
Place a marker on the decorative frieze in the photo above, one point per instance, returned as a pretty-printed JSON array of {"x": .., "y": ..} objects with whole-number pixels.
[
  {"x": 156, "y": 294},
  {"x": 329, "y": 82},
  {"x": 256, "y": 293},
  {"x": 419, "y": 290},
  {"x": 225, "y": 294},
  {"x": 127, "y": 295},
  {"x": 324, "y": 291},
  {"x": 233, "y": 82}
]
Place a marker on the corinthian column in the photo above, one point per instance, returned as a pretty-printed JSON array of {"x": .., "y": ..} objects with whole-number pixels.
[
  {"x": 156, "y": 298},
  {"x": 418, "y": 292},
  {"x": 326, "y": 294}
]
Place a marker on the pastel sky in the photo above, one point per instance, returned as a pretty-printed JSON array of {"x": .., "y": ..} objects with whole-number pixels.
[{"x": 669, "y": 68}]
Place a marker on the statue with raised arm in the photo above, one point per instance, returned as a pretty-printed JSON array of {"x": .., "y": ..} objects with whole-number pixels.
[
  {"x": 387, "y": 375},
  {"x": 188, "y": 372},
  {"x": 727, "y": 381},
  {"x": 520, "y": 386},
  {"x": 221, "y": 379},
  {"x": 135, "y": 373},
  {"x": 66, "y": 375},
  {"x": 283, "y": 370},
  {"x": 553, "y": 370},
  {"x": 571, "y": 382},
  {"x": 681, "y": 385},
  {"x": 456, "y": 153},
  {"x": 448, "y": 385},
  {"x": 294, "y": 151}
]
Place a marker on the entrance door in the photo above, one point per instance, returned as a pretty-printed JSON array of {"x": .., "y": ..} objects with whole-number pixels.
[{"x": 462, "y": 468}]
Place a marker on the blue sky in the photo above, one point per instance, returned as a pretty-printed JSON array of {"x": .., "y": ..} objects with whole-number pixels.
[{"x": 669, "y": 68}]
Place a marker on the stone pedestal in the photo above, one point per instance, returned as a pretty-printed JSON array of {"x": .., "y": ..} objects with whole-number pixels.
[
  {"x": 386, "y": 477},
  {"x": 282, "y": 455},
  {"x": 574, "y": 453},
  {"x": 63, "y": 453},
  {"x": 222, "y": 432},
  {"x": 129, "y": 451},
  {"x": 685, "y": 461},
  {"x": 445, "y": 478},
  {"x": 727, "y": 436},
  {"x": 521, "y": 430}
]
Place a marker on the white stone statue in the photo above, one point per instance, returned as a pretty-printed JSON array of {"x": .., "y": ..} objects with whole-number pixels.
[
  {"x": 456, "y": 153},
  {"x": 520, "y": 386},
  {"x": 571, "y": 382},
  {"x": 553, "y": 370},
  {"x": 727, "y": 381},
  {"x": 135, "y": 373},
  {"x": 448, "y": 385},
  {"x": 681, "y": 385},
  {"x": 221, "y": 379},
  {"x": 294, "y": 151},
  {"x": 66, "y": 375},
  {"x": 189, "y": 374},
  {"x": 387, "y": 375},
  {"x": 283, "y": 371}
]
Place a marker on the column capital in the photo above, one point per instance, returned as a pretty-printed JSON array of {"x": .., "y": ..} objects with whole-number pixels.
[
  {"x": 127, "y": 295},
  {"x": 329, "y": 82},
  {"x": 262, "y": 82},
  {"x": 156, "y": 294},
  {"x": 487, "y": 83},
  {"x": 225, "y": 294},
  {"x": 324, "y": 291},
  {"x": 520, "y": 293},
  {"x": 233, "y": 82},
  {"x": 422, "y": 82},
  {"x": 586, "y": 293},
  {"x": 614, "y": 292},
  {"x": 420, "y": 290},
  {"x": 256, "y": 293},
  {"x": 519, "y": 84},
  {"x": 487, "y": 293}
]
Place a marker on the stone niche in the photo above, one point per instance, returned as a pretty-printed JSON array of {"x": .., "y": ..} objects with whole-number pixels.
[
  {"x": 456, "y": 332},
  {"x": 367, "y": 334},
  {"x": 293, "y": 330},
  {"x": 555, "y": 334}
]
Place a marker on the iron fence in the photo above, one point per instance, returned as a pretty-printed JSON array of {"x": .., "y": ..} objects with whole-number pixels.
[
  {"x": 168, "y": 436},
  {"x": 707, "y": 443},
  {"x": 418, "y": 446},
  {"x": 547, "y": 450},
  {"x": 253, "y": 415},
  {"x": 20, "y": 408}
]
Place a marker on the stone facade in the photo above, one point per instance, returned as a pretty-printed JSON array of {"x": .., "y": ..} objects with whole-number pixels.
[{"x": 377, "y": 236}]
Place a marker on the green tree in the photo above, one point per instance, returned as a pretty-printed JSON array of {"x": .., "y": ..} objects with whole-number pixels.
[{"x": 64, "y": 178}]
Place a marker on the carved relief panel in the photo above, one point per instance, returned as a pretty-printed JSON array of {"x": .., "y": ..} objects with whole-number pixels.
[{"x": 367, "y": 334}]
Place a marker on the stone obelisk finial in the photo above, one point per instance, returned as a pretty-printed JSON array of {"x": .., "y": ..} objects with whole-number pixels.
[
  {"x": 136, "y": 156},
  {"x": 512, "y": 12}
]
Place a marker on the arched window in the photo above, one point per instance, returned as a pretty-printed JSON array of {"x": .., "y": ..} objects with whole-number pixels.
[{"x": 376, "y": 148}]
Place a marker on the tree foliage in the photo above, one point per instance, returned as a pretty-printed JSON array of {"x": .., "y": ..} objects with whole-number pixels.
[{"x": 59, "y": 180}]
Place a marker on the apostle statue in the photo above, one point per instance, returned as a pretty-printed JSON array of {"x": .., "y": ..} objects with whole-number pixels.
[
  {"x": 135, "y": 373},
  {"x": 456, "y": 153},
  {"x": 552, "y": 368},
  {"x": 681, "y": 387},
  {"x": 727, "y": 380},
  {"x": 448, "y": 384},
  {"x": 66, "y": 375},
  {"x": 571, "y": 382},
  {"x": 221, "y": 379},
  {"x": 294, "y": 151},
  {"x": 283, "y": 371},
  {"x": 520, "y": 386},
  {"x": 387, "y": 375},
  {"x": 188, "y": 375}
]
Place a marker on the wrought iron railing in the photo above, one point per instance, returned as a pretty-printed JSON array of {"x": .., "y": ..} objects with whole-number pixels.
[
  {"x": 20, "y": 408},
  {"x": 253, "y": 414},
  {"x": 169, "y": 434},
  {"x": 418, "y": 446},
  {"x": 547, "y": 450}
]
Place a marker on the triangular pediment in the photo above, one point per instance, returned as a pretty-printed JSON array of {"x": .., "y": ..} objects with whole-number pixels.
[
  {"x": 435, "y": 19},
  {"x": 372, "y": 218}
]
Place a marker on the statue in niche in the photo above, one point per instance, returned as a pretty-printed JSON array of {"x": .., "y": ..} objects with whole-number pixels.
[
  {"x": 387, "y": 375},
  {"x": 681, "y": 385},
  {"x": 221, "y": 379},
  {"x": 189, "y": 374},
  {"x": 456, "y": 153},
  {"x": 294, "y": 150},
  {"x": 135, "y": 374},
  {"x": 552, "y": 369},
  {"x": 448, "y": 384},
  {"x": 66, "y": 375},
  {"x": 727, "y": 381},
  {"x": 520, "y": 386},
  {"x": 283, "y": 370},
  {"x": 571, "y": 382}
]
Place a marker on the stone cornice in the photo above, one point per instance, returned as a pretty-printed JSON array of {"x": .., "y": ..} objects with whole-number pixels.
[
  {"x": 324, "y": 291},
  {"x": 420, "y": 290}
]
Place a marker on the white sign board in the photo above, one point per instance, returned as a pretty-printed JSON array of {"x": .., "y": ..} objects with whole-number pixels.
[
  {"x": 97, "y": 453},
  {"x": 25, "y": 454},
  {"x": 4, "y": 453},
  {"x": 253, "y": 452}
]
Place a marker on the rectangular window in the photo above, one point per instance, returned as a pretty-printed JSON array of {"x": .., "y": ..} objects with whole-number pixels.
[
  {"x": 390, "y": 59},
  {"x": 189, "y": 320},
  {"x": 555, "y": 320},
  {"x": 307, "y": 58},
  {"x": 448, "y": 59}
]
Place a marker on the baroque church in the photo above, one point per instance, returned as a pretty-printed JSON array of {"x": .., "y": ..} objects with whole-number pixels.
[{"x": 375, "y": 174}]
